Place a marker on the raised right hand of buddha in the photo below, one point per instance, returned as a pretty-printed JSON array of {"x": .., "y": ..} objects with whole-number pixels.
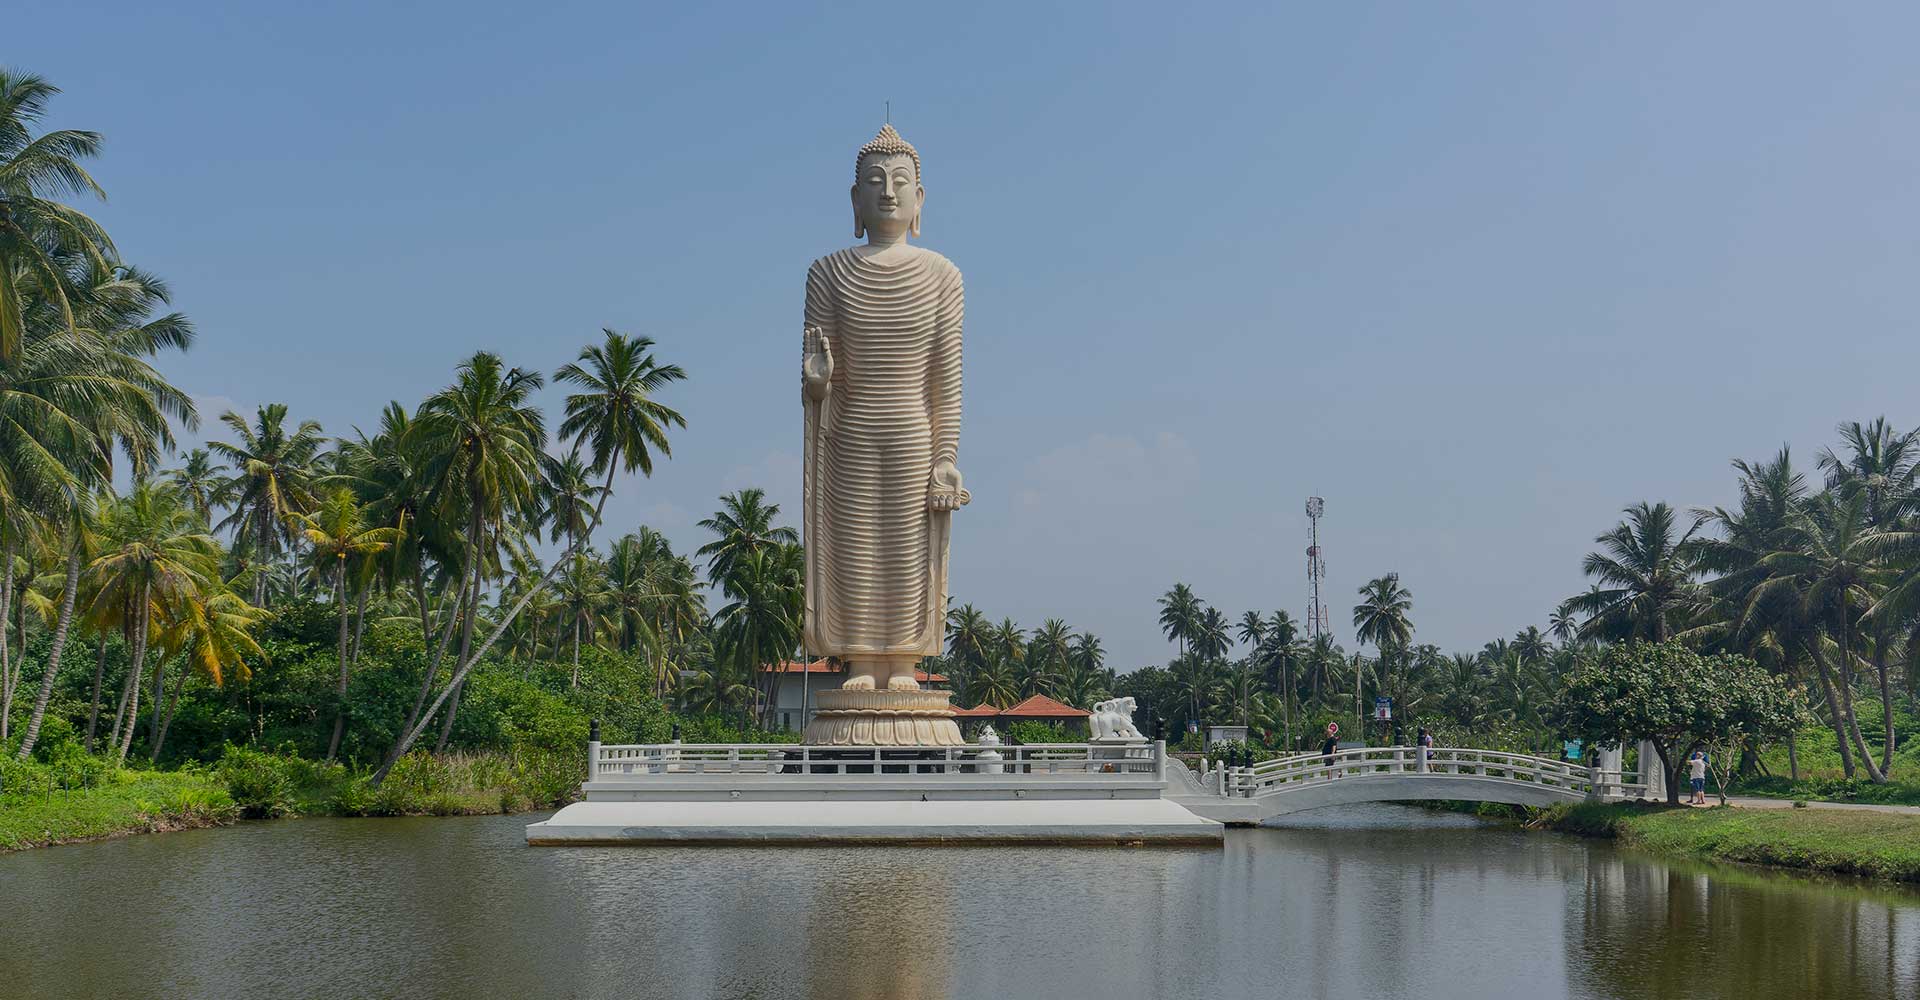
[{"x": 816, "y": 363}]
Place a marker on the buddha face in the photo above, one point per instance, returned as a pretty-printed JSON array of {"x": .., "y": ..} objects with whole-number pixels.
[{"x": 887, "y": 195}]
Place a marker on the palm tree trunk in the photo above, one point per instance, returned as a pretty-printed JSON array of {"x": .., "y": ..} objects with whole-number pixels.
[
  {"x": 359, "y": 623},
  {"x": 1886, "y": 701},
  {"x": 120, "y": 708},
  {"x": 420, "y": 599},
  {"x": 1793, "y": 757},
  {"x": 173, "y": 705},
  {"x": 433, "y": 666},
  {"x": 340, "y": 646},
  {"x": 455, "y": 684},
  {"x": 575, "y": 682},
  {"x": 264, "y": 518},
  {"x": 140, "y": 624},
  {"x": 61, "y": 625},
  {"x": 1846, "y": 697},
  {"x": 93, "y": 709},
  {"x": 159, "y": 695},
  {"x": 1834, "y": 717},
  {"x": 9, "y": 675}
]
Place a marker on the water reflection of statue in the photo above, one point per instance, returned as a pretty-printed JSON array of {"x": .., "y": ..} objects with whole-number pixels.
[{"x": 880, "y": 370}]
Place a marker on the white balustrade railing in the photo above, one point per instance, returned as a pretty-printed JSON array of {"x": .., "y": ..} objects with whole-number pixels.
[
  {"x": 619, "y": 762},
  {"x": 1277, "y": 775},
  {"x": 1042, "y": 761}
]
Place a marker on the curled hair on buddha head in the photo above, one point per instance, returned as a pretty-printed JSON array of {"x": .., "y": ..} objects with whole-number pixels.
[{"x": 885, "y": 142}]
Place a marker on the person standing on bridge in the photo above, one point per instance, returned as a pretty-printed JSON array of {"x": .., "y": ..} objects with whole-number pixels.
[
  {"x": 1332, "y": 744},
  {"x": 1425, "y": 743}
]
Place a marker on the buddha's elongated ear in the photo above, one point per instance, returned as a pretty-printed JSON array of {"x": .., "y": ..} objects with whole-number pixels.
[
  {"x": 859, "y": 228},
  {"x": 919, "y": 202}
]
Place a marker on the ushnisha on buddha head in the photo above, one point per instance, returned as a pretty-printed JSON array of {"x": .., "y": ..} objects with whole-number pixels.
[{"x": 886, "y": 188}]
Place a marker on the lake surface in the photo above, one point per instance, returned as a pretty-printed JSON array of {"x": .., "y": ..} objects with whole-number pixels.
[{"x": 1365, "y": 901}]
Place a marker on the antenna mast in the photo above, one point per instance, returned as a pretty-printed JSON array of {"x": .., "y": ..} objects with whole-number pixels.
[{"x": 1316, "y": 571}]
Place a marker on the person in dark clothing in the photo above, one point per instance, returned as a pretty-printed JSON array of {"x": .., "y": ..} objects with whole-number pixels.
[{"x": 1332, "y": 744}]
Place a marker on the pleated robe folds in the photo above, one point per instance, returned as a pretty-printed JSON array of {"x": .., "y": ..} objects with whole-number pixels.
[{"x": 876, "y": 567}]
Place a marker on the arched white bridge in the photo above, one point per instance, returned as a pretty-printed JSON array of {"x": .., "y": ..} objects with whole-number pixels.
[{"x": 1249, "y": 795}]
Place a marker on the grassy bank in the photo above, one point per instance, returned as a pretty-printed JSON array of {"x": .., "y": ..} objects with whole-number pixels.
[
  {"x": 42, "y": 805},
  {"x": 1850, "y": 842},
  {"x": 36, "y": 812}
]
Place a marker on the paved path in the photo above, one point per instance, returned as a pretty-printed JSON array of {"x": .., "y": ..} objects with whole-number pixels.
[{"x": 1749, "y": 802}]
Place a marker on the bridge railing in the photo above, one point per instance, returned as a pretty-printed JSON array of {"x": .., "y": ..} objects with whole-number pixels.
[
  {"x": 622, "y": 762},
  {"x": 1300, "y": 769}
]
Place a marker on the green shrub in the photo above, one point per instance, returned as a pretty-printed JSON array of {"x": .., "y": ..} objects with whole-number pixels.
[
  {"x": 1027, "y": 731},
  {"x": 261, "y": 784}
]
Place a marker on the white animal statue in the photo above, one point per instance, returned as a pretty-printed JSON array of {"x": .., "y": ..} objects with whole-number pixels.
[{"x": 1113, "y": 720}]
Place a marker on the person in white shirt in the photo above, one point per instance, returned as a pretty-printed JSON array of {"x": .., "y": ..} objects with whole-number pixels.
[{"x": 1697, "y": 773}]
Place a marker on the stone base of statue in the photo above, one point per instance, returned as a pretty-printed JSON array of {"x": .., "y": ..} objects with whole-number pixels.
[
  {"x": 883, "y": 719},
  {"x": 1119, "y": 748}
]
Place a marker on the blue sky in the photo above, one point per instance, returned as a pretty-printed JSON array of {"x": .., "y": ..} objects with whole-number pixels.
[{"x": 1479, "y": 275}]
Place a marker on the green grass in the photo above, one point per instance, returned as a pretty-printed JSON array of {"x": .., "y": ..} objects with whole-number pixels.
[
  {"x": 268, "y": 785},
  {"x": 83, "y": 799},
  {"x": 1847, "y": 842},
  {"x": 118, "y": 802}
]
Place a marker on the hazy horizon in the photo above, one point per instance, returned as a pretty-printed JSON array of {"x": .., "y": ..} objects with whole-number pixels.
[{"x": 1480, "y": 277}]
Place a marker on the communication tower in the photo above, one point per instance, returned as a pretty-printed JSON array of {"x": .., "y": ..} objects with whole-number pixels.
[{"x": 1316, "y": 571}]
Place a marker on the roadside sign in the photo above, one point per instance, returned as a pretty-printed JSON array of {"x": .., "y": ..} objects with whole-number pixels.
[
  {"x": 1383, "y": 708},
  {"x": 1573, "y": 749}
]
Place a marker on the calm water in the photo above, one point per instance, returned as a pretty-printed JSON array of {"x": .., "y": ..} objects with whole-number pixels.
[{"x": 1377, "y": 901}]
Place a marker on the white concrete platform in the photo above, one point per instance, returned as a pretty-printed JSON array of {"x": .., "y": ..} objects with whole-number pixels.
[{"x": 749, "y": 821}]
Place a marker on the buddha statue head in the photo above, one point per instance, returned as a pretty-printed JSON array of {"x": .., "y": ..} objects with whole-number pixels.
[{"x": 886, "y": 188}]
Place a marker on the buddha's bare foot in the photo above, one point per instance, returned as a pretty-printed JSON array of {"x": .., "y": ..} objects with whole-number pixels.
[
  {"x": 902, "y": 682},
  {"x": 858, "y": 682}
]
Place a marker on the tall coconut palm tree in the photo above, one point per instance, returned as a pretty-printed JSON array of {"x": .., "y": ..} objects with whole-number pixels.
[
  {"x": 1880, "y": 464},
  {"x": 1009, "y": 643},
  {"x": 340, "y": 538},
  {"x": 1180, "y": 611},
  {"x": 584, "y": 596},
  {"x": 198, "y": 479},
  {"x": 1883, "y": 468},
  {"x": 761, "y": 625},
  {"x": 1530, "y": 644},
  {"x": 1382, "y": 618},
  {"x": 156, "y": 555},
  {"x": 39, "y": 236},
  {"x": 483, "y": 438},
  {"x": 744, "y": 524},
  {"x": 272, "y": 482},
  {"x": 1279, "y": 650},
  {"x": 68, "y": 399},
  {"x": 1252, "y": 629},
  {"x": 1768, "y": 630},
  {"x": 969, "y": 636},
  {"x": 1832, "y": 570},
  {"x": 567, "y": 498},
  {"x": 1087, "y": 655},
  {"x": 212, "y": 631},
  {"x": 1049, "y": 656},
  {"x": 1645, "y": 573}
]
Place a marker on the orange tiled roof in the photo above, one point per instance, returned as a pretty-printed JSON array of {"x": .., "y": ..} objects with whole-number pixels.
[
  {"x": 1042, "y": 707},
  {"x": 977, "y": 712}
]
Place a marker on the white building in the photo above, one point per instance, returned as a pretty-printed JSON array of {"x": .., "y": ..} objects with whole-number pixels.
[{"x": 793, "y": 694}]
